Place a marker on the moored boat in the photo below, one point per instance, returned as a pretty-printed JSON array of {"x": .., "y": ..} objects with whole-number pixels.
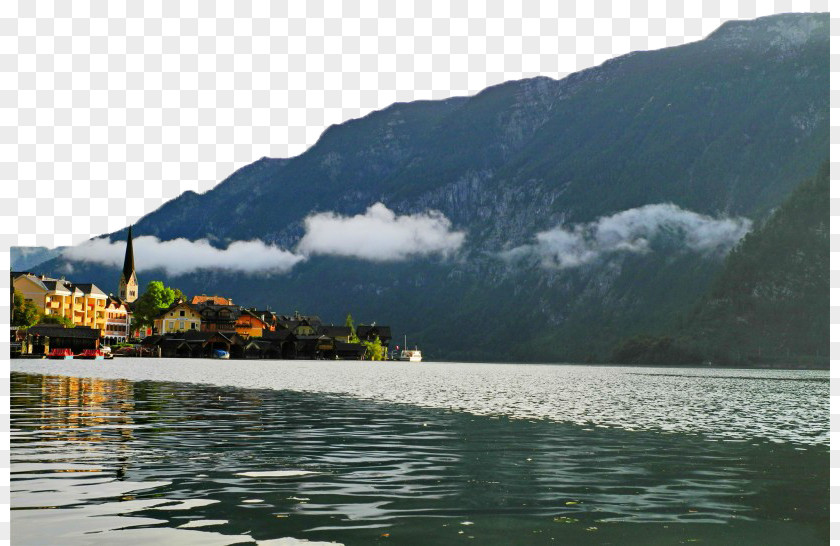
[
  {"x": 409, "y": 355},
  {"x": 92, "y": 354},
  {"x": 61, "y": 354}
]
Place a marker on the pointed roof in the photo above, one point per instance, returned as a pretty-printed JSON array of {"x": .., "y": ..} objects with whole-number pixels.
[{"x": 128, "y": 265}]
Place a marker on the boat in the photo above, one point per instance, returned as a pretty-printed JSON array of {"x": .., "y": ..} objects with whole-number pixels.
[
  {"x": 92, "y": 354},
  {"x": 409, "y": 355},
  {"x": 61, "y": 354},
  {"x": 220, "y": 353}
]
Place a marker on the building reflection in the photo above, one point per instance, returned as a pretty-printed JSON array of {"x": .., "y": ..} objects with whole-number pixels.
[{"x": 93, "y": 414}]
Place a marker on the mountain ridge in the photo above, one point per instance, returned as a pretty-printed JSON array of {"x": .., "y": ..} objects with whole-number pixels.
[{"x": 714, "y": 126}]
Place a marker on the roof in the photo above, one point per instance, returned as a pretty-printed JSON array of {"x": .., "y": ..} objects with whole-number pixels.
[
  {"x": 265, "y": 315},
  {"x": 243, "y": 311},
  {"x": 177, "y": 304},
  {"x": 288, "y": 324},
  {"x": 342, "y": 347},
  {"x": 197, "y": 335},
  {"x": 218, "y": 300},
  {"x": 34, "y": 279},
  {"x": 172, "y": 342},
  {"x": 335, "y": 331},
  {"x": 279, "y": 335},
  {"x": 151, "y": 340},
  {"x": 128, "y": 264},
  {"x": 55, "y": 285},
  {"x": 364, "y": 331},
  {"x": 90, "y": 288},
  {"x": 210, "y": 312},
  {"x": 113, "y": 300},
  {"x": 79, "y": 332},
  {"x": 259, "y": 343}
]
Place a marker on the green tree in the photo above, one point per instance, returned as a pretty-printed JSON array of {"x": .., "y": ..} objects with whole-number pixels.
[
  {"x": 349, "y": 322},
  {"x": 375, "y": 350},
  {"x": 151, "y": 302},
  {"x": 57, "y": 319},
  {"x": 26, "y": 313}
]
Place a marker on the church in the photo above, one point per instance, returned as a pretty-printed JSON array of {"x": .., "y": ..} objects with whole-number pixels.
[
  {"x": 118, "y": 310},
  {"x": 129, "y": 289}
]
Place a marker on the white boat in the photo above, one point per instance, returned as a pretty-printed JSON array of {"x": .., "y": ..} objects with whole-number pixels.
[{"x": 409, "y": 355}]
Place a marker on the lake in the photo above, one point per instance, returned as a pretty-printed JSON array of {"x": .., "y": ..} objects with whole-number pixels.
[{"x": 133, "y": 451}]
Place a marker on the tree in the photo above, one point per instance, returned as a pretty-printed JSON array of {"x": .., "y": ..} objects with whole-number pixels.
[
  {"x": 25, "y": 313},
  {"x": 375, "y": 350},
  {"x": 349, "y": 322},
  {"x": 149, "y": 305},
  {"x": 57, "y": 319}
]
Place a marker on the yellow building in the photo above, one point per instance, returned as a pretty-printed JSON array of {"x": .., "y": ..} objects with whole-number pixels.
[
  {"x": 83, "y": 304},
  {"x": 89, "y": 306},
  {"x": 179, "y": 317},
  {"x": 52, "y": 297}
]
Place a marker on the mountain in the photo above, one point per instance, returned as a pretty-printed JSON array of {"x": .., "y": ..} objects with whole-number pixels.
[
  {"x": 24, "y": 258},
  {"x": 768, "y": 304},
  {"x": 721, "y": 127}
]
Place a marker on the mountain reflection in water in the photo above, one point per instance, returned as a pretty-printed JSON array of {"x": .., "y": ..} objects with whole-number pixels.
[{"x": 107, "y": 461}]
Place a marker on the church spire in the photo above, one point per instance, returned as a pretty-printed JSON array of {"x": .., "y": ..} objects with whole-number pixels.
[
  {"x": 128, "y": 280},
  {"x": 128, "y": 264}
]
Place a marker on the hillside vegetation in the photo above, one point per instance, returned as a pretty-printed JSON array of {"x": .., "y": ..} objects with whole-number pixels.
[{"x": 769, "y": 304}]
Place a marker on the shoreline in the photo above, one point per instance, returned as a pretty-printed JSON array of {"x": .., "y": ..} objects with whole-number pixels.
[{"x": 482, "y": 362}]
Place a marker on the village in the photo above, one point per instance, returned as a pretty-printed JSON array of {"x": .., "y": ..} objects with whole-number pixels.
[{"x": 80, "y": 320}]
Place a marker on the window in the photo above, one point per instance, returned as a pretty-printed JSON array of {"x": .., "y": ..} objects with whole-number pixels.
[
  {"x": 182, "y": 313},
  {"x": 192, "y": 326},
  {"x": 181, "y": 325}
]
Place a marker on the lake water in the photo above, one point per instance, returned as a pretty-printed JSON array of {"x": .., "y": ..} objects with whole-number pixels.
[{"x": 133, "y": 451}]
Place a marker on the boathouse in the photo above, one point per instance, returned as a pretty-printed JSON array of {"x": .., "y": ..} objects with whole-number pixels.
[{"x": 43, "y": 338}]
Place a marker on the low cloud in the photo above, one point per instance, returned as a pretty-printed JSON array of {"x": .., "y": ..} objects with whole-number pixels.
[
  {"x": 632, "y": 231},
  {"x": 181, "y": 256},
  {"x": 379, "y": 235}
]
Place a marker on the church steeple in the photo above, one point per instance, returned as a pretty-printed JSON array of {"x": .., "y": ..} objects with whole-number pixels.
[{"x": 128, "y": 280}]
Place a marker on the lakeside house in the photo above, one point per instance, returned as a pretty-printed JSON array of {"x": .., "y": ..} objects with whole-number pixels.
[
  {"x": 117, "y": 321},
  {"x": 81, "y": 303},
  {"x": 40, "y": 339},
  {"x": 178, "y": 317}
]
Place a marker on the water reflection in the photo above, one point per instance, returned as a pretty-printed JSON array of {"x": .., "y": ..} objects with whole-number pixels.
[{"x": 114, "y": 460}]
